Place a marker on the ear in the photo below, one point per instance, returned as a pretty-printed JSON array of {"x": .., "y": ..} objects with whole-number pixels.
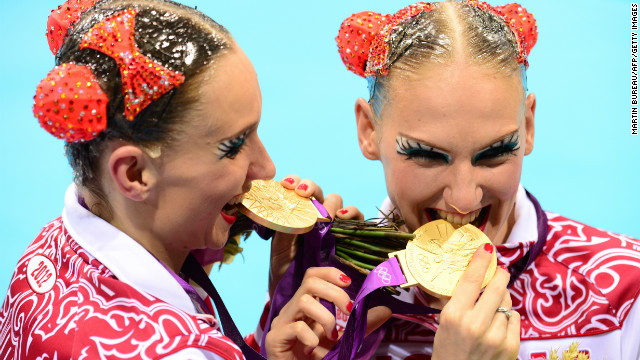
[
  {"x": 367, "y": 137},
  {"x": 132, "y": 172},
  {"x": 529, "y": 116}
]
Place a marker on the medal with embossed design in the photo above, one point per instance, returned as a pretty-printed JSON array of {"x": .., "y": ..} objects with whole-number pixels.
[
  {"x": 269, "y": 204},
  {"x": 438, "y": 256}
]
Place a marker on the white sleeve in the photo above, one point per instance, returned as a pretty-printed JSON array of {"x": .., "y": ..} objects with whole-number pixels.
[
  {"x": 193, "y": 354},
  {"x": 629, "y": 339}
]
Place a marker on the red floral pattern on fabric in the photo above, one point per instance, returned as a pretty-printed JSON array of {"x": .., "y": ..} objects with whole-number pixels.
[{"x": 93, "y": 314}]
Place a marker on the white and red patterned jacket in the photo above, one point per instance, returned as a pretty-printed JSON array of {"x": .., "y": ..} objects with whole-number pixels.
[
  {"x": 85, "y": 290},
  {"x": 582, "y": 288}
]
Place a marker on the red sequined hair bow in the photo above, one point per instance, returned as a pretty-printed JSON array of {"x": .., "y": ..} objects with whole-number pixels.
[
  {"x": 69, "y": 102},
  {"x": 363, "y": 37}
]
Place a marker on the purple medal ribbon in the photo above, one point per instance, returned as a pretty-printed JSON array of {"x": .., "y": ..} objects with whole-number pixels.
[
  {"x": 386, "y": 274},
  {"x": 317, "y": 248}
]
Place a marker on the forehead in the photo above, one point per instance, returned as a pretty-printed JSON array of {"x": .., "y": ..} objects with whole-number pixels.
[
  {"x": 454, "y": 104},
  {"x": 229, "y": 97}
]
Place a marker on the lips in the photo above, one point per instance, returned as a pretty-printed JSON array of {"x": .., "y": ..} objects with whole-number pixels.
[{"x": 229, "y": 211}]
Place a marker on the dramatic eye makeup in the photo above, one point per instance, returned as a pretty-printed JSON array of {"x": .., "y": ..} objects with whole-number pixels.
[
  {"x": 231, "y": 147},
  {"x": 504, "y": 147},
  {"x": 415, "y": 150}
]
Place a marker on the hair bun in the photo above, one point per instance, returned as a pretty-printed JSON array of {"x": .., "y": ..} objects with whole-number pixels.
[
  {"x": 70, "y": 104},
  {"x": 354, "y": 39},
  {"x": 62, "y": 19},
  {"x": 522, "y": 23}
]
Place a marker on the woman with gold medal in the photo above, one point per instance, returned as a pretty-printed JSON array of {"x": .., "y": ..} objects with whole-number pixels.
[
  {"x": 450, "y": 118},
  {"x": 158, "y": 107}
]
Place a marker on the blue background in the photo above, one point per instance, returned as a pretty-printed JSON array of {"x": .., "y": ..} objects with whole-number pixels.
[{"x": 584, "y": 165}]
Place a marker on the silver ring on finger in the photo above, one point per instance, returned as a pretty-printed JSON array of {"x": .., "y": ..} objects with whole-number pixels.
[{"x": 505, "y": 311}]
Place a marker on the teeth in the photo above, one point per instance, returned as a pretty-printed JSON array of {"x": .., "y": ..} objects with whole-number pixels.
[
  {"x": 235, "y": 200},
  {"x": 458, "y": 219}
]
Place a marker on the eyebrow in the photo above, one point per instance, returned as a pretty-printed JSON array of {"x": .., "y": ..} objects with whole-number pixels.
[{"x": 241, "y": 132}]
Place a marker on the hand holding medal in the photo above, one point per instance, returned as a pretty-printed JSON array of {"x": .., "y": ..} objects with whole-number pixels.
[{"x": 434, "y": 258}]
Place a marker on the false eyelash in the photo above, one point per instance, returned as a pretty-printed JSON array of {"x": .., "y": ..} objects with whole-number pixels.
[
  {"x": 506, "y": 146},
  {"x": 230, "y": 148},
  {"x": 413, "y": 149}
]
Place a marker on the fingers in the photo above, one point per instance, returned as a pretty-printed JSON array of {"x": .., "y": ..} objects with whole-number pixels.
[
  {"x": 376, "y": 317},
  {"x": 512, "y": 342},
  {"x": 494, "y": 296},
  {"x": 322, "y": 283},
  {"x": 288, "y": 338},
  {"x": 350, "y": 213},
  {"x": 468, "y": 288},
  {"x": 306, "y": 188},
  {"x": 332, "y": 202}
]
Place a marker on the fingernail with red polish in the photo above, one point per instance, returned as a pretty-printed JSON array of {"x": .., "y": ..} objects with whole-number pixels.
[
  {"x": 504, "y": 268},
  {"x": 303, "y": 187},
  {"x": 488, "y": 248},
  {"x": 334, "y": 334},
  {"x": 345, "y": 279},
  {"x": 289, "y": 180},
  {"x": 350, "y": 307},
  {"x": 343, "y": 211}
]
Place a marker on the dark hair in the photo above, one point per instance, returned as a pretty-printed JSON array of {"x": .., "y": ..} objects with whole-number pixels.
[
  {"x": 434, "y": 36},
  {"x": 176, "y": 36}
]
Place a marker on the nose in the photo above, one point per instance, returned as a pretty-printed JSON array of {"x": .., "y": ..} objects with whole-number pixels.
[
  {"x": 463, "y": 191},
  {"x": 261, "y": 167}
]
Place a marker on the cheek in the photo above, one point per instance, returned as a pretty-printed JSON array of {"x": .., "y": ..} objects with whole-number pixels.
[
  {"x": 408, "y": 185},
  {"x": 506, "y": 179}
]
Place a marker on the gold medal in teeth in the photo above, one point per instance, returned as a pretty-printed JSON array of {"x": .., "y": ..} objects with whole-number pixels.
[
  {"x": 438, "y": 256},
  {"x": 269, "y": 204}
]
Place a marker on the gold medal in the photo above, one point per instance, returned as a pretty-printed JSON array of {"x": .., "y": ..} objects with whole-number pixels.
[
  {"x": 438, "y": 256},
  {"x": 269, "y": 204}
]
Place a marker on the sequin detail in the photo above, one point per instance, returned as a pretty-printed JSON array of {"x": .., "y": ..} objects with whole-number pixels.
[
  {"x": 62, "y": 19},
  {"x": 143, "y": 80},
  {"x": 363, "y": 38},
  {"x": 379, "y": 54},
  {"x": 523, "y": 25},
  {"x": 354, "y": 39},
  {"x": 70, "y": 104}
]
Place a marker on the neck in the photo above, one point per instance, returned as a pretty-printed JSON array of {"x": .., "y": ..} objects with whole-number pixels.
[
  {"x": 135, "y": 219},
  {"x": 505, "y": 229}
]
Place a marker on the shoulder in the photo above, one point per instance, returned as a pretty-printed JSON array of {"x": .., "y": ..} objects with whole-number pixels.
[{"x": 598, "y": 264}]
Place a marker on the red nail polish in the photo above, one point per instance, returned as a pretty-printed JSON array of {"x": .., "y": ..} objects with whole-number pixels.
[
  {"x": 303, "y": 187},
  {"x": 289, "y": 180},
  {"x": 504, "y": 268},
  {"x": 350, "y": 306},
  {"x": 345, "y": 279},
  {"x": 488, "y": 248},
  {"x": 334, "y": 334},
  {"x": 343, "y": 211}
]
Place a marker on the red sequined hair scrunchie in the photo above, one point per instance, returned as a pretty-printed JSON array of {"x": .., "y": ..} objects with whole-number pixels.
[
  {"x": 69, "y": 102},
  {"x": 64, "y": 18},
  {"x": 363, "y": 37}
]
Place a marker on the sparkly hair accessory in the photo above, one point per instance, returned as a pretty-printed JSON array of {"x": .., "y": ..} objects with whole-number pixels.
[
  {"x": 379, "y": 52},
  {"x": 354, "y": 39},
  {"x": 143, "y": 80},
  {"x": 70, "y": 104},
  {"x": 62, "y": 19},
  {"x": 363, "y": 38},
  {"x": 523, "y": 26}
]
